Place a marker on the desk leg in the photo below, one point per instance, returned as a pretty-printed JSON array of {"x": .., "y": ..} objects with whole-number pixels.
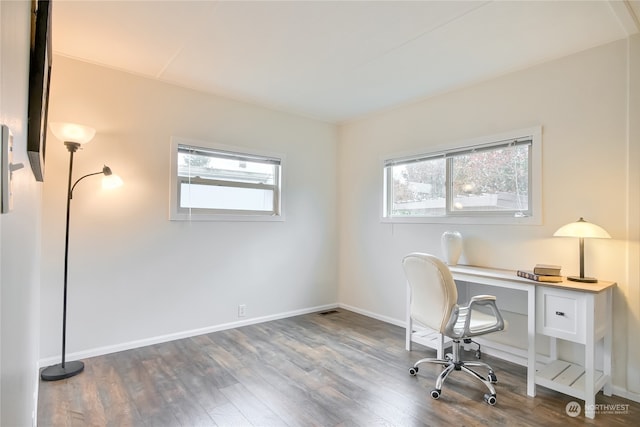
[
  {"x": 608, "y": 340},
  {"x": 531, "y": 354},
  {"x": 553, "y": 348},
  {"x": 589, "y": 363},
  {"x": 408, "y": 323}
]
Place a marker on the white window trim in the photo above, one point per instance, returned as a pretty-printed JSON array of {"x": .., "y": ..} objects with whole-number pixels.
[
  {"x": 176, "y": 215},
  {"x": 535, "y": 133}
]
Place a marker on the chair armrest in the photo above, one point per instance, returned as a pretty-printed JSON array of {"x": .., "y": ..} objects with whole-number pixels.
[
  {"x": 460, "y": 325},
  {"x": 490, "y": 302},
  {"x": 482, "y": 298}
]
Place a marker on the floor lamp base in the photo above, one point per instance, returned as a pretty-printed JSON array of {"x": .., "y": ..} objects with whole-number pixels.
[{"x": 58, "y": 372}]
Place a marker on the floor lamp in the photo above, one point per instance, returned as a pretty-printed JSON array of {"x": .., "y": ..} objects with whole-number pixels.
[{"x": 73, "y": 137}]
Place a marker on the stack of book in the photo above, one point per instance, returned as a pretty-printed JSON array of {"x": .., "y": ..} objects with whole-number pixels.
[{"x": 543, "y": 273}]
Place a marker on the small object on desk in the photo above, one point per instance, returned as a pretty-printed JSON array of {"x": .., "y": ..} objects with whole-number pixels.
[
  {"x": 539, "y": 277},
  {"x": 451, "y": 242},
  {"x": 547, "y": 270}
]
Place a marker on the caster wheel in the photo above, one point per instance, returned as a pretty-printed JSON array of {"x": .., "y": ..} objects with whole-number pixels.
[
  {"x": 413, "y": 371},
  {"x": 492, "y": 377},
  {"x": 490, "y": 399},
  {"x": 435, "y": 393}
]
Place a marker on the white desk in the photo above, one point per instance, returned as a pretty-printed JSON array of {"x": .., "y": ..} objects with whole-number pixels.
[{"x": 572, "y": 311}]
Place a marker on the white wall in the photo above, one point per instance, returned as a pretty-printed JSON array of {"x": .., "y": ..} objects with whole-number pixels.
[
  {"x": 19, "y": 231},
  {"x": 126, "y": 280},
  {"x": 633, "y": 218},
  {"x": 581, "y": 103},
  {"x": 133, "y": 274}
]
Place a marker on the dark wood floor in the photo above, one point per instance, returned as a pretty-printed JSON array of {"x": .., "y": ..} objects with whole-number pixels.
[{"x": 339, "y": 369}]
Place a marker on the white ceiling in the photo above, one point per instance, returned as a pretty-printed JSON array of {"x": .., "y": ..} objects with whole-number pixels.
[{"x": 337, "y": 60}]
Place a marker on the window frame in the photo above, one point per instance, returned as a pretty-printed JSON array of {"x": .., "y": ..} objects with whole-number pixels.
[
  {"x": 204, "y": 214},
  {"x": 532, "y": 217}
]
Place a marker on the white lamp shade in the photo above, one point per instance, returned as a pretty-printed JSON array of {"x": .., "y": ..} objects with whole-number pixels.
[
  {"x": 71, "y": 132},
  {"x": 111, "y": 181},
  {"x": 582, "y": 228}
]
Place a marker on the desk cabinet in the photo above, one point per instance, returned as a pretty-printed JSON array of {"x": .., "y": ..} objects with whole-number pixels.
[
  {"x": 561, "y": 314},
  {"x": 583, "y": 318}
]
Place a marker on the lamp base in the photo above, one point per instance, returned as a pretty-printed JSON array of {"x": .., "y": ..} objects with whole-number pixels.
[
  {"x": 583, "y": 279},
  {"x": 58, "y": 372}
]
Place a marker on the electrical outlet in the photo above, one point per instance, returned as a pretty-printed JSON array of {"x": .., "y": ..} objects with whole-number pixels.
[{"x": 242, "y": 310}]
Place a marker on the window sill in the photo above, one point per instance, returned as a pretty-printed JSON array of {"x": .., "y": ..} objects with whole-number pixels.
[{"x": 225, "y": 218}]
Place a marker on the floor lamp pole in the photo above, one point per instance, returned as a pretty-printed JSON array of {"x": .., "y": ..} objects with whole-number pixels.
[{"x": 64, "y": 369}]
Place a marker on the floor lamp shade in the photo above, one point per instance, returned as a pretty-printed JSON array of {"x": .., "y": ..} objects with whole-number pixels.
[
  {"x": 71, "y": 132},
  {"x": 582, "y": 230},
  {"x": 73, "y": 136}
]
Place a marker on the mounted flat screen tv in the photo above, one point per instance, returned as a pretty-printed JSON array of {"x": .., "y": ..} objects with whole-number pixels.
[{"x": 39, "y": 77}]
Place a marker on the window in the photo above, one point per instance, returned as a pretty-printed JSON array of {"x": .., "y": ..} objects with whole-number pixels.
[
  {"x": 219, "y": 182},
  {"x": 495, "y": 178}
]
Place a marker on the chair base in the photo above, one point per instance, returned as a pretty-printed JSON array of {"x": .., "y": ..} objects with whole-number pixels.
[{"x": 454, "y": 363}]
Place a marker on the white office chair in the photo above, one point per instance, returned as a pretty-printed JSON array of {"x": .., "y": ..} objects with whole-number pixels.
[{"x": 434, "y": 303}]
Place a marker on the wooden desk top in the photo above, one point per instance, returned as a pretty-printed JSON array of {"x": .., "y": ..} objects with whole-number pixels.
[{"x": 511, "y": 275}]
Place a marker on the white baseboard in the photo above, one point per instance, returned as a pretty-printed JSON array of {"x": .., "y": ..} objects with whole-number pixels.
[
  {"x": 36, "y": 394},
  {"x": 619, "y": 391},
  {"x": 373, "y": 315},
  {"x": 100, "y": 351}
]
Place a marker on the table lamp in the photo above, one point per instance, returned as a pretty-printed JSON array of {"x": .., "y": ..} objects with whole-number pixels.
[{"x": 582, "y": 229}]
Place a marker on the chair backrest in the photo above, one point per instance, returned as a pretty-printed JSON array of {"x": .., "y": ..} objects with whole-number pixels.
[{"x": 433, "y": 291}]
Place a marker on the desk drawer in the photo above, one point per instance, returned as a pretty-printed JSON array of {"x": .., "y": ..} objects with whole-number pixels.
[{"x": 561, "y": 314}]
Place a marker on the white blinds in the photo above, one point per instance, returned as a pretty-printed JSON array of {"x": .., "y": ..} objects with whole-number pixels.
[{"x": 460, "y": 151}]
